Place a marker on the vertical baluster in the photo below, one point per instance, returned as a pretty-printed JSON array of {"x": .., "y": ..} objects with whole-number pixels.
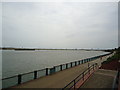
[
  {"x": 35, "y": 74},
  {"x": 46, "y": 71},
  {"x": 79, "y": 62},
  {"x": 88, "y": 64},
  {"x": 54, "y": 69},
  {"x": 67, "y": 66},
  {"x": 19, "y": 79},
  {"x": 89, "y": 70},
  {"x": 61, "y": 67},
  {"x": 74, "y": 84},
  {"x": 83, "y": 76}
]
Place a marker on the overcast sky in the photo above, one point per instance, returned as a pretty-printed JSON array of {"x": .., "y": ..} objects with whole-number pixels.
[{"x": 60, "y": 24}]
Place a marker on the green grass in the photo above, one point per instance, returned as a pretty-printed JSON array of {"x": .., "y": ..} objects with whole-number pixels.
[{"x": 116, "y": 56}]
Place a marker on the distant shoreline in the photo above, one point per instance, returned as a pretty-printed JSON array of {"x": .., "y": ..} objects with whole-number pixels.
[
  {"x": 33, "y": 49},
  {"x": 24, "y": 49}
]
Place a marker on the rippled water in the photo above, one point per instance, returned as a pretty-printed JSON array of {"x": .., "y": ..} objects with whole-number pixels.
[{"x": 16, "y": 62}]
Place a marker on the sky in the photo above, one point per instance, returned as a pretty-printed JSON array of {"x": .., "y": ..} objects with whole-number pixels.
[
  {"x": 60, "y": 24},
  {"x": 119, "y": 24}
]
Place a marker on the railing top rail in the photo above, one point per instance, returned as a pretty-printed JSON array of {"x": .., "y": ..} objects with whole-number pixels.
[
  {"x": 9, "y": 77},
  {"x": 42, "y": 69},
  {"x": 21, "y": 74},
  {"x": 80, "y": 60},
  {"x": 83, "y": 72}
]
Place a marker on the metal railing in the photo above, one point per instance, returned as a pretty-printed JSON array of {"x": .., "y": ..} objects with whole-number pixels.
[
  {"x": 21, "y": 78},
  {"x": 81, "y": 76}
]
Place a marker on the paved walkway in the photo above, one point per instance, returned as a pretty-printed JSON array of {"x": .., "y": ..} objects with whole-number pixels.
[
  {"x": 59, "y": 79},
  {"x": 100, "y": 79}
]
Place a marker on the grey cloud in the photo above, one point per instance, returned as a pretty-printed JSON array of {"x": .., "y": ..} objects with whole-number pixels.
[{"x": 60, "y": 25}]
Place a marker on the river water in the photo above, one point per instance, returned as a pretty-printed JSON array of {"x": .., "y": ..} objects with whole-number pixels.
[{"x": 16, "y": 62}]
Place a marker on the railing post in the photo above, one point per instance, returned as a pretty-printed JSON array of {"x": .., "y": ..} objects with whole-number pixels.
[
  {"x": 19, "y": 79},
  {"x": 96, "y": 65},
  {"x": 61, "y": 67},
  {"x": 46, "y": 71},
  {"x": 79, "y": 62},
  {"x": 74, "y": 84},
  {"x": 71, "y": 64},
  {"x": 66, "y": 66},
  {"x": 93, "y": 66},
  {"x": 35, "y": 74},
  {"x": 89, "y": 70},
  {"x": 88, "y": 64},
  {"x": 54, "y": 69},
  {"x": 83, "y": 76}
]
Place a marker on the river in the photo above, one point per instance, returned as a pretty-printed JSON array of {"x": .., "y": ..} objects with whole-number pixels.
[{"x": 16, "y": 62}]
